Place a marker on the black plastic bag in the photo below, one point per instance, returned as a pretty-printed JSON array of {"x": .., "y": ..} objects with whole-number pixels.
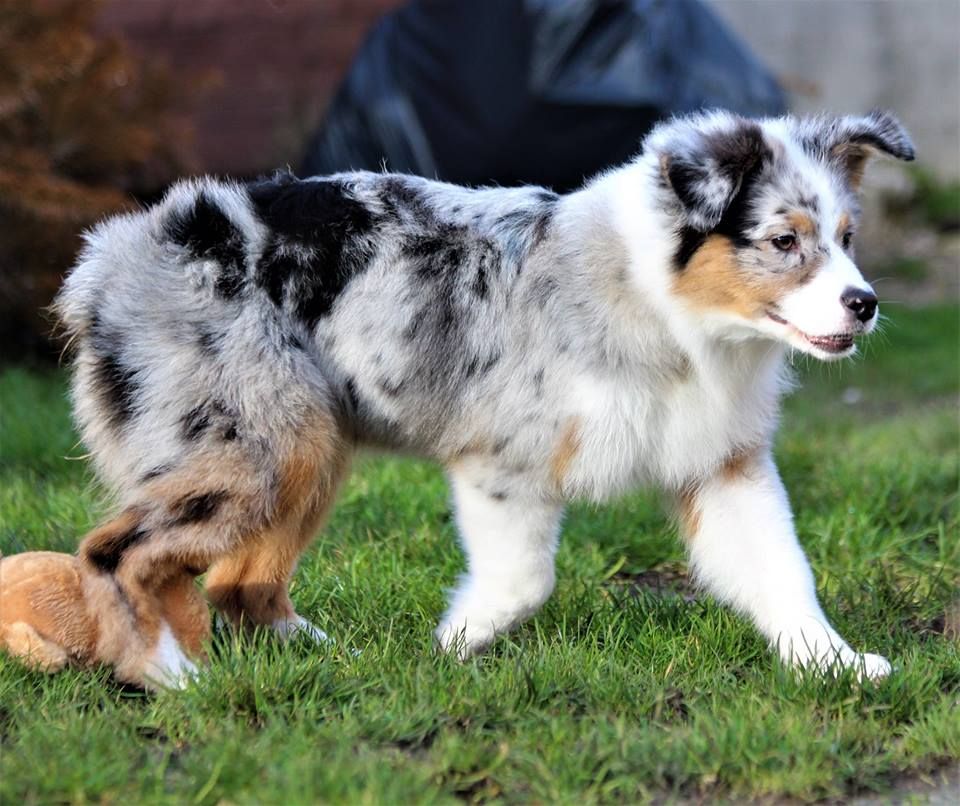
[{"x": 542, "y": 91}]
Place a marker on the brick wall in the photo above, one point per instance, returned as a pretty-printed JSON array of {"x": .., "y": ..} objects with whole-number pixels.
[{"x": 264, "y": 70}]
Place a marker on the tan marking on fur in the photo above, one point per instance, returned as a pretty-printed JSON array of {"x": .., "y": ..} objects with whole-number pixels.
[
  {"x": 801, "y": 223},
  {"x": 475, "y": 446},
  {"x": 314, "y": 467},
  {"x": 853, "y": 157},
  {"x": 565, "y": 451},
  {"x": 250, "y": 542},
  {"x": 843, "y": 225},
  {"x": 713, "y": 280},
  {"x": 250, "y": 584},
  {"x": 739, "y": 464},
  {"x": 249, "y": 587},
  {"x": 688, "y": 512}
]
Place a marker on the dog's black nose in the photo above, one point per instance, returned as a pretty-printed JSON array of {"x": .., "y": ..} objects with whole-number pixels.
[{"x": 862, "y": 303}]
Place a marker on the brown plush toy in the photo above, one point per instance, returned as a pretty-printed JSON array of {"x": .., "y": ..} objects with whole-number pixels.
[{"x": 56, "y": 609}]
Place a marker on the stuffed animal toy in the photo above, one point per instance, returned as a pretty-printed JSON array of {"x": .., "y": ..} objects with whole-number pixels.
[{"x": 57, "y": 609}]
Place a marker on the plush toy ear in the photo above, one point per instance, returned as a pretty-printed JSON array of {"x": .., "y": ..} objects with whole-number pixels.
[
  {"x": 848, "y": 142},
  {"x": 705, "y": 160}
]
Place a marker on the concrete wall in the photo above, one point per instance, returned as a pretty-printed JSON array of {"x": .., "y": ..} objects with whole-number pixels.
[{"x": 851, "y": 55}]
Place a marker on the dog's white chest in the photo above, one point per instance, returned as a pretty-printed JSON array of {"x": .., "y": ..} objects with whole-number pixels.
[{"x": 664, "y": 431}]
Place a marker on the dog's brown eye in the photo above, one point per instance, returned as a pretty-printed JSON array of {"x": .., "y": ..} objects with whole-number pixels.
[
  {"x": 785, "y": 242},
  {"x": 846, "y": 239}
]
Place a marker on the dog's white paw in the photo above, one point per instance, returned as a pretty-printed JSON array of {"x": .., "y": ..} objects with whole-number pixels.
[
  {"x": 463, "y": 637},
  {"x": 814, "y": 645},
  {"x": 289, "y": 628},
  {"x": 872, "y": 667}
]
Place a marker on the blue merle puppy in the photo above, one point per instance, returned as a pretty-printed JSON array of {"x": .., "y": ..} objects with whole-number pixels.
[{"x": 236, "y": 343}]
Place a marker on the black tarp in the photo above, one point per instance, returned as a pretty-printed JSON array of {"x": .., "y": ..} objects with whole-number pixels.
[{"x": 539, "y": 91}]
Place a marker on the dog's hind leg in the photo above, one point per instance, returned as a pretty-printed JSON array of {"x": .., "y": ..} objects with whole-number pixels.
[
  {"x": 509, "y": 534},
  {"x": 248, "y": 510},
  {"x": 249, "y": 586}
]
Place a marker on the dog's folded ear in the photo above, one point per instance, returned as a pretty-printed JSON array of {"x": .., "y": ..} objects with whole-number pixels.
[
  {"x": 847, "y": 142},
  {"x": 705, "y": 159}
]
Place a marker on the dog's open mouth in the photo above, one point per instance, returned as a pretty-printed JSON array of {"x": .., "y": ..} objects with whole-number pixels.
[{"x": 835, "y": 343}]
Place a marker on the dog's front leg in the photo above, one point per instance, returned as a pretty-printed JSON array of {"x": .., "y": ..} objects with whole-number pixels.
[
  {"x": 743, "y": 548},
  {"x": 509, "y": 535}
]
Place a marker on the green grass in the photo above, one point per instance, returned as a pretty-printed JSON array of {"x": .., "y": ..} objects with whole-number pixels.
[
  {"x": 611, "y": 694},
  {"x": 931, "y": 201}
]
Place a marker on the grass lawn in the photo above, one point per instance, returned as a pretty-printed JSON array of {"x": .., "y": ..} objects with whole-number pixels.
[{"x": 624, "y": 688}]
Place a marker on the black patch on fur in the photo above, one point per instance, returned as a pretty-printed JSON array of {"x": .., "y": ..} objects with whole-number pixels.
[
  {"x": 476, "y": 366},
  {"x": 291, "y": 341},
  {"x": 498, "y": 495},
  {"x": 542, "y": 226},
  {"x": 194, "y": 423},
  {"x": 529, "y": 225},
  {"x": 106, "y": 555},
  {"x": 274, "y": 269},
  {"x": 197, "y": 508},
  {"x": 322, "y": 218},
  {"x": 156, "y": 472},
  {"x": 878, "y": 129},
  {"x": 480, "y": 282},
  {"x": 206, "y": 232},
  {"x": 207, "y": 342},
  {"x": 879, "y": 143},
  {"x": 202, "y": 417},
  {"x": 115, "y": 384},
  {"x": 684, "y": 177},
  {"x": 733, "y": 155},
  {"x": 401, "y": 201},
  {"x": 435, "y": 259},
  {"x": 738, "y": 218},
  {"x": 436, "y": 253},
  {"x": 690, "y": 241}
]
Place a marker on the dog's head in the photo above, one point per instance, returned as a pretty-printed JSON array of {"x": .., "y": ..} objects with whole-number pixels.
[{"x": 766, "y": 215}]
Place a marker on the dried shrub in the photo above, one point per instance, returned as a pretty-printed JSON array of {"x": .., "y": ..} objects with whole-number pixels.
[{"x": 84, "y": 126}]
